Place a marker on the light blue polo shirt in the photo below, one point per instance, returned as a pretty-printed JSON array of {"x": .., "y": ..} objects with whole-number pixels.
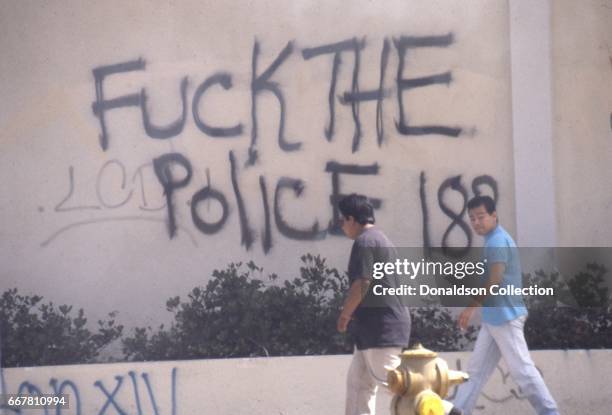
[{"x": 500, "y": 247}]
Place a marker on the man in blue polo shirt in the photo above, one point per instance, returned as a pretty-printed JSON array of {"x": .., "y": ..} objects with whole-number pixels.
[{"x": 503, "y": 317}]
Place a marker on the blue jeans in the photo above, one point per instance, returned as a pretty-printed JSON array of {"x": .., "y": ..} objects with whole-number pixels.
[{"x": 507, "y": 341}]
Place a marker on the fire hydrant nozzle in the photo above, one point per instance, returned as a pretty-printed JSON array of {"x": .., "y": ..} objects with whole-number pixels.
[{"x": 396, "y": 382}]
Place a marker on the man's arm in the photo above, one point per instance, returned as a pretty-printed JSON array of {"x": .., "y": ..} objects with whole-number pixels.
[
  {"x": 496, "y": 275},
  {"x": 356, "y": 292}
]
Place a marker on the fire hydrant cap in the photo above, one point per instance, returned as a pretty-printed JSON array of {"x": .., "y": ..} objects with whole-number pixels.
[
  {"x": 431, "y": 405},
  {"x": 419, "y": 351}
]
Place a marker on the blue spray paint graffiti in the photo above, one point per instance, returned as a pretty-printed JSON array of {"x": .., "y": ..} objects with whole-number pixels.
[{"x": 112, "y": 404}]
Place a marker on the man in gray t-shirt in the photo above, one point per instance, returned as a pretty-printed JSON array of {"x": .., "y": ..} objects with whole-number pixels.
[
  {"x": 378, "y": 321},
  {"x": 380, "y": 326}
]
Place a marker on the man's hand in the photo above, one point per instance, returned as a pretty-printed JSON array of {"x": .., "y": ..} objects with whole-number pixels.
[
  {"x": 356, "y": 292},
  {"x": 496, "y": 275},
  {"x": 465, "y": 317},
  {"x": 343, "y": 321}
]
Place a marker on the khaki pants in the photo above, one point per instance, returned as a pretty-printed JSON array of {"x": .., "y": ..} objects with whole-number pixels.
[{"x": 366, "y": 372}]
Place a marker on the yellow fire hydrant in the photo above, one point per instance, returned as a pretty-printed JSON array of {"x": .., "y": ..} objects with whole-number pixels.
[{"x": 420, "y": 383}]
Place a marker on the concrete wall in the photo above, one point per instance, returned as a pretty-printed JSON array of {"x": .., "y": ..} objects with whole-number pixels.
[
  {"x": 85, "y": 220},
  {"x": 290, "y": 385},
  {"x": 582, "y": 92},
  {"x": 93, "y": 93}
]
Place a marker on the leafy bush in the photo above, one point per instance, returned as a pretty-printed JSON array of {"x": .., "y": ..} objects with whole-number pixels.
[
  {"x": 240, "y": 313},
  {"x": 578, "y": 316},
  {"x": 33, "y": 333},
  {"x": 237, "y": 314},
  {"x": 436, "y": 328}
]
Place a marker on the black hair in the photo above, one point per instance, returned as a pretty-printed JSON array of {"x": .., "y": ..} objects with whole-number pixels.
[
  {"x": 485, "y": 201},
  {"x": 358, "y": 207}
]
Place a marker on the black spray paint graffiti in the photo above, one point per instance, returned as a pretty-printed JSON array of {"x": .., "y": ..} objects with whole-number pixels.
[
  {"x": 336, "y": 49},
  {"x": 225, "y": 80},
  {"x": 111, "y": 403},
  {"x": 457, "y": 218},
  {"x": 174, "y": 172},
  {"x": 163, "y": 171},
  {"x": 163, "y": 167},
  {"x": 284, "y": 228},
  {"x": 206, "y": 193},
  {"x": 403, "y": 44},
  {"x": 101, "y": 105},
  {"x": 262, "y": 81}
]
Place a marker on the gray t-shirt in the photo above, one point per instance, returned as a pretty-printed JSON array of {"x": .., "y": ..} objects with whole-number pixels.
[{"x": 379, "y": 321}]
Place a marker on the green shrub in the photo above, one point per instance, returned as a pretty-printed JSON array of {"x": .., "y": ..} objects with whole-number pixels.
[
  {"x": 241, "y": 313},
  {"x": 578, "y": 316},
  {"x": 35, "y": 334},
  {"x": 436, "y": 328},
  {"x": 237, "y": 314}
]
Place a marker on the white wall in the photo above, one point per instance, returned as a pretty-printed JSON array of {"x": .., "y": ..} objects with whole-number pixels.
[
  {"x": 532, "y": 133},
  {"x": 86, "y": 225},
  {"x": 582, "y": 92},
  {"x": 292, "y": 385}
]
